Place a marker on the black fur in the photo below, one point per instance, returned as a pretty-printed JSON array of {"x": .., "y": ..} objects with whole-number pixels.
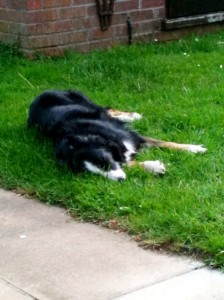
[{"x": 81, "y": 130}]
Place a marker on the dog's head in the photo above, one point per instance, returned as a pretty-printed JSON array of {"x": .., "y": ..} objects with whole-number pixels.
[{"x": 92, "y": 153}]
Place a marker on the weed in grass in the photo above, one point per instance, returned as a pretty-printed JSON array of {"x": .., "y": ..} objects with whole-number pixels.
[{"x": 179, "y": 89}]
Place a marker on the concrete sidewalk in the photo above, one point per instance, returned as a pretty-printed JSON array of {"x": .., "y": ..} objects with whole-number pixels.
[{"x": 46, "y": 255}]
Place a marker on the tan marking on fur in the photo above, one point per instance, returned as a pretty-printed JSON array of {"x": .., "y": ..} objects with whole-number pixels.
[
  {"x": 132, "y": 163},
  {"x": 115, "y": 113},
  {"x": 171, "y": 145},
  {"x": 150, "y": 142}
]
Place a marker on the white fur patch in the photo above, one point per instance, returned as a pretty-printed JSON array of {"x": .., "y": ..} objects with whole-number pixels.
[
  {"x": 196, "y": 148},
  {"x": 90, "y": 167},
  {"x": 128, "y": 117},
  {"x": 117, "y": 174},
  {"x": 130, "y": 150},
  {"x": 155, "y": 167}
]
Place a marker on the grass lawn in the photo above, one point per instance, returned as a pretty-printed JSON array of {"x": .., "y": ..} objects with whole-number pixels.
[{"x": 179, "y": 89}]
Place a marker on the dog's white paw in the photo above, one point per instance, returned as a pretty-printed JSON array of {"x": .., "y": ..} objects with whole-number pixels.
[
  {"x": 196, "y": 149},
  {"x": 129, "y": 117},
  {"x": 115, "y": 174},
  {"x": 136, "y": 116},
  {"x": 155, "y": 167}
]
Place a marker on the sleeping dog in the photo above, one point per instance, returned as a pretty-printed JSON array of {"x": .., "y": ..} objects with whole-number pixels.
[{"x": 93, "y": 138}]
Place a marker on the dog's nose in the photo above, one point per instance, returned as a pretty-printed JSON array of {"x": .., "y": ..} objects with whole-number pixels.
[{"x": 120, "y": 178}]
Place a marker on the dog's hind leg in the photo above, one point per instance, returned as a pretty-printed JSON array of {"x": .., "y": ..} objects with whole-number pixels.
[
  {"x": 149, "y": 142},
  {"x": 124, "y": 116}
]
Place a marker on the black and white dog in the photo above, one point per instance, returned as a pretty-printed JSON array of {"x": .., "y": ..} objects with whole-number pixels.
[{"x": 89, "y": 137}]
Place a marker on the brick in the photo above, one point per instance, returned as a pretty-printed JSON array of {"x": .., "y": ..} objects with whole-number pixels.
[
  {"x": 44, "y": 41},
  {"x": 33, "y": 4},
  {"x": 82, "y": 2},
  {"x": 15, "y": 4},
  {"x": 35, "y": 29},
  {"x": 50, "y": 3},
  {"x": 142, "y": 15},
  {"x": 17, "y": 28},
  {"x": 119, "y": 40},
  {"x": 5, "y": 26},
  {"x": 119, "y": 18},
  {"x": 52, "y": 51},
  {"x": 81, "y": 47},
  {"x": 72, "y": 12},
  {"x": 153, "y": 3},
  {"x": 13, "y": 15},
  {"x": 57, "y": 26},
  {"x": 4, "y": 14},
  {"x": 63, "y": 2},
  {"x": 118, "y": 31},
  {"x": 108, "y": 43},
  {"x": 73, "y": 37},
  {"x": 85, "y": 23},
  {"x": 97, "y": 34},
  {"x": 159, "y": 13},
  {"x": 56, "y": 3},
  {"x": 23, "y": 29},
  {"x": 100, "y": 44},
  {"x": 146, "y": 27},
  {"x": 24, "y": 42},
  {"x": 3, "y": 3},
  {"x": 125, "y": 6},
  {"x": 50, "y": 27},
  {"x": 143, "y": 37},
  {"x": 44, "y": 15},
  {"x": 8, "y": 38},
  {"x": 92, "y": 10}
]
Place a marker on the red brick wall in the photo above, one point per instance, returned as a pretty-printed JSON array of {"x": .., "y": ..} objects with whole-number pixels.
[{"x": 51, "y": 26}]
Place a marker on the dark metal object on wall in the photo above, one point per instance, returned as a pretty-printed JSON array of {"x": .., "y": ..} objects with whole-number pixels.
[
  {"x": 130, "y": 27},
  {"x": 105, "y": 12}
]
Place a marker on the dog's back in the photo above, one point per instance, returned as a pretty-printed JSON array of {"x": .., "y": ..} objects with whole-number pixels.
[{"x": 54, "y": 106}]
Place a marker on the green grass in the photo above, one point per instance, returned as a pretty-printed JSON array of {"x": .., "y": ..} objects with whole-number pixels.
[{"x": 179, "y": 89}]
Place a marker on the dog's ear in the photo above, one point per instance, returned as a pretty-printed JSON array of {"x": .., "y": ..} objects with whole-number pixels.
[
  {"x": 61, "y": 150},
  {"x": 117, "y": 151},
  {"x": 65, "y": 155}
]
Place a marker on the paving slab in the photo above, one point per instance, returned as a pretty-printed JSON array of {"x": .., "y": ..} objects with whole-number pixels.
[
  {"x": 18, "y": 214},
  {"x": 49, "y": 256},
  {"x": 197, "y": 285},
  {"x": 9, "y": 292}
]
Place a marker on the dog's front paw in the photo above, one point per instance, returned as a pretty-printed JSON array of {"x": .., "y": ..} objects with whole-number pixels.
[
  {"x": 123, "y": 115},
  {"x": 118, "y": 175},
  {"x": 155, "y": 167},
  {"x": 129, "y": 116},
  {"x": 135, "y": 116},
  {"x": 196, "y": 149}
]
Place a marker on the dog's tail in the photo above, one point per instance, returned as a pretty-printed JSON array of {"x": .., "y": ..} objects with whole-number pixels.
[{"x": 149, "y": 142}]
